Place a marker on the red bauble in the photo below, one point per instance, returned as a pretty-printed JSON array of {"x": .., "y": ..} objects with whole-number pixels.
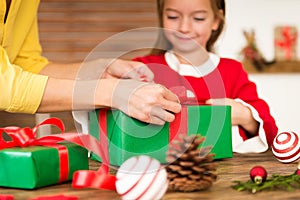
[
  {"x": 298, "y": 169},
  {"x": 286, "y": 147},
  {"x": 258, "y": 174}
]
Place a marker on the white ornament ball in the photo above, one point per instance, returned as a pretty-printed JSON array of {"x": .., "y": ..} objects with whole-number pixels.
[
  {"x": 141, "y": 177},
  {"x": 286, "y": 147}
]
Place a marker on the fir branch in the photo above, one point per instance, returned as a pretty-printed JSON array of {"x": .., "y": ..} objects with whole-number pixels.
[{"x": 276, "y": 182}]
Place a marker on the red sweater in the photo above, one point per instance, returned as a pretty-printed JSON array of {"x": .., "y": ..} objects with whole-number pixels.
[{"x": 228, "y": 80}]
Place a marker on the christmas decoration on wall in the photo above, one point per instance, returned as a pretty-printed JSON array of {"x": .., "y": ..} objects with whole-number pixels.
[
  {"x": 251, "y": 52},
  {"x": 141, "y": 177},
  {"x": 285, "y": 52},
  {"x": 286, "y": 147},
  {"x": 286, "y": 43},
  {"x": 190, "y": 168}
]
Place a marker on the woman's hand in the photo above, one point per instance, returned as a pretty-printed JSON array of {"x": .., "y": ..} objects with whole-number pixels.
[
  {"x": 147, "y": 102},
  {"x": 100, "y": 68},
  {"x": 128, "y": 70},
  {"x": 154, "y": 104}
]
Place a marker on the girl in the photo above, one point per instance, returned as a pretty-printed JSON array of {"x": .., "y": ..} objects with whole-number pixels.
[{"x": 184, "y": 52}]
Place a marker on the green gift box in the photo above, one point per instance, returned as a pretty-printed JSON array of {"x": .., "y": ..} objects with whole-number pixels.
[
  {"x": 127, "y": 137},
  {"x": 37, "y": 166}
]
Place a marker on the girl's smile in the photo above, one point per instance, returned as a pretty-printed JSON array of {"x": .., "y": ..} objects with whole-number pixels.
[{"x": 192, "y": 23}]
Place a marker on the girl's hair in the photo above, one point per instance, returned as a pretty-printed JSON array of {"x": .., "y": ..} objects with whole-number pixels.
[{"x": 162, "y": 44}]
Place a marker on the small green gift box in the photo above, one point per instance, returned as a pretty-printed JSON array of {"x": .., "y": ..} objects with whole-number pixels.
[
  {"x": 37, "y": 166},
  {"x": 127, "y": 137}
]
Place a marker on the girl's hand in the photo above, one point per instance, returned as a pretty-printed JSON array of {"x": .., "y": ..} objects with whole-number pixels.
[
  {"x": 241, "y": 115},
  {"x": 239, "y": 112}
]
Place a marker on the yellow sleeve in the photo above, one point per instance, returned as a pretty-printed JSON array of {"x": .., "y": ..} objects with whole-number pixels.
[
  {"x": 30, "y": 55},
  {"x": 21, "y": 91}
]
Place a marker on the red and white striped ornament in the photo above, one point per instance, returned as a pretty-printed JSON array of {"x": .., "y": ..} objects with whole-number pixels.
[
  {"x": 141, "y": 177},
  {"x": 286, "y": 147}
]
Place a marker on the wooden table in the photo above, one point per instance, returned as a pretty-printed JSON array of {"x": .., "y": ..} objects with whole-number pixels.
[{"x": 236, "y": 168}]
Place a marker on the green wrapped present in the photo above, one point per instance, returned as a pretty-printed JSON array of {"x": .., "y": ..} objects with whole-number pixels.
[
  {"x": 125, "y": 137},
  {"x": 37, "y": 166},
  {"x": 29, "y": 162}
]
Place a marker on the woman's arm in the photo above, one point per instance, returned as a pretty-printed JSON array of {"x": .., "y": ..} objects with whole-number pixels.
[
  {"x": 147, "y": 102},
  {"x": 100, "y": 68}
]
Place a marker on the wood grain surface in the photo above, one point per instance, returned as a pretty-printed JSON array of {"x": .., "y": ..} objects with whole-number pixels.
[{"x": 236, "y": 168}]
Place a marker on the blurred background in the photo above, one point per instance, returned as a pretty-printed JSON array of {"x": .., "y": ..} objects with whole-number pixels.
[{"x": 71, "y": 29}]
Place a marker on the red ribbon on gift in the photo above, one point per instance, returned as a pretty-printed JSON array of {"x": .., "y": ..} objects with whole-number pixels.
[
  {"x": 287, "y": 42},
  {"x": 180, "y": 125},
  {"x": 56, "y": 197},
  {"x": 6, "y": 197},
  {"x": 24, "y": 137},
  {"x": 101, "y": 178}
]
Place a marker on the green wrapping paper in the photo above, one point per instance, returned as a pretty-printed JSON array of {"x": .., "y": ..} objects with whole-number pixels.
[
  {"x": 129, "y": 137},
  {"x": 38, "y": 166}
]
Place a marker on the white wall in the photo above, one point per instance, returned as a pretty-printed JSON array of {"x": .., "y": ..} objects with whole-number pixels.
[
  {"x": 281, "y": 91},
  {"x": 260, "y": 15}
]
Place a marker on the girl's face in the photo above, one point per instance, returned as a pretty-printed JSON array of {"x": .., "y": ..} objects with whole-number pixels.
[{"x": 188, "y": 24}]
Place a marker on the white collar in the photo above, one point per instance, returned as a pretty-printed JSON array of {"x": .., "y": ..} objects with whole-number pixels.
[{"x": 190, "y": 70}]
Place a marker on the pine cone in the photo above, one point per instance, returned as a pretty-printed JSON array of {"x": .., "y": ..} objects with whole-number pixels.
[{"x": 190, "y": 168}]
